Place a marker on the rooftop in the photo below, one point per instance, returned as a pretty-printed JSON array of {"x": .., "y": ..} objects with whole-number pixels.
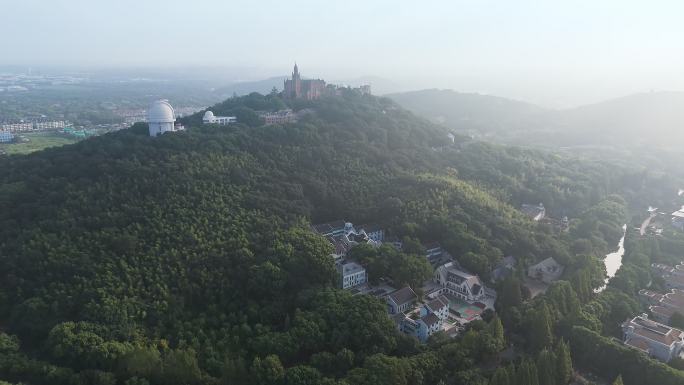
[
  {"x": 351, "y": 268},
  {"x": 655, "y": 331},
  {"x": 437, "y": 303},
  {"x": 403, "y": 296},
  {"x": 430, "y": 319},
  {"x": 326, "y": 228}
]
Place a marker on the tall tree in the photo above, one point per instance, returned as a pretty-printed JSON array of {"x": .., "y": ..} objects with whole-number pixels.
[{"x": 563, "y": 363}]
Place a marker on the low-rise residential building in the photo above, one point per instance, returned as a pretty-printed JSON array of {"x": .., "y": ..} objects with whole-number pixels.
[
  {"x": 653, "y": 338},
  {"x": 504, "y": 268},
  {"x": 546, "y": 271},
  {"x": 374, "y": 231},
  {"x": 332, "y": 228},
  {"x": 352, "y": 274},
  {"x": 49, "y": 124},
  {"x": 16, "y": 126},
  {"x": 427, "y": 325},
  {"x": 436, "y": 255},
  {"x": 534, "y": 212},
  {"x": 438, "y": 306},
  {"x": 401, "y": 300},
  {"x": 424, "y": 321},
  {"x": 277, "y": 117},
  {"x": 459, "y": 283},
  {"x": 343, "y": 236}
]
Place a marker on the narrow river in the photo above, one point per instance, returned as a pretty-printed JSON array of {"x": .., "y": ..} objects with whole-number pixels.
[{"x": 613, "y": 260}]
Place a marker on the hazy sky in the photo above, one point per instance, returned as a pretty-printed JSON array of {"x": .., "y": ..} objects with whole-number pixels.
[{"x": 549, "y": 51}]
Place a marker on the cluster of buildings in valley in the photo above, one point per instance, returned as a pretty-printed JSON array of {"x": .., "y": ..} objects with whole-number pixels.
[
  {"x": 8, "y": 130},
  {"x": 33, "y": 125},
  {"x": 654, "y": 334},
  {"x": 451, "y": 298}
]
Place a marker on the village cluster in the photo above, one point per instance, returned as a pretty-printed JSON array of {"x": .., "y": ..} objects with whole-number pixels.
[
  {"x": 453, "y": 296},
  {"x": 656, "y": 337},
  {"x": 450, "y": 299}
]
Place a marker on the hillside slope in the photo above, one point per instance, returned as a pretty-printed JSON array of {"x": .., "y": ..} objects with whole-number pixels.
[{"x": 188, "y": 259}]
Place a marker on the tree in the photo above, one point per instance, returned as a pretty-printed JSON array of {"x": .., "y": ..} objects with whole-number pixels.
[
  {"x": 302, "y": 375},
  {"x": 546, "y": 367},
  {"x": 268, "y": 371},
  {"x": 618, "y": 380},
  {"x": 500, "y": 377},
  {"x": 180, "y": 367},
  {"x": 563, "y": 363},
  {"x": 496, "y": 331},
  {"x": 677, "y": 320},
  {"x": 141, "y": 362},
  {"x": 527, "y": 373},
  {"x": 539, "y": 329},
  {"x": 234, "y": 371}
]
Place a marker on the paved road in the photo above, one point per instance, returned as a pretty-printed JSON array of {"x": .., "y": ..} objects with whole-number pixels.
[{"x": 645, "y": 224}]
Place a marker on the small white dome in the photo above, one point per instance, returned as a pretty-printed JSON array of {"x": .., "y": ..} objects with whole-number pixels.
[
  {"x": 161, "y": 111},
  {"x": 208, "y": 116}
]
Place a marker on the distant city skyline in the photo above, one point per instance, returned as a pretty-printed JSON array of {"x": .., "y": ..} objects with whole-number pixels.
[{"x": 550, "y": 53}]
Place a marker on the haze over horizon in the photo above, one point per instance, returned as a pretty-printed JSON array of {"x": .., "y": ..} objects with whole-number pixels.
[{"x": 555, "y": 55}]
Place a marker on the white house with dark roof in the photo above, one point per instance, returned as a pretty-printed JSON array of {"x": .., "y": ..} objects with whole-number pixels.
[
  {"x": 427, "y": 325},
  {"x": 401, "y": 300},
  {"x": 438, "y": 306},
  {"x": 546, "y": 271},
  {"x": 334, "y": 228},
  {"x": 657, "y": 340},
  {"x": 374, "y": 231},
  {"x": 456, "y": 282},
  {"x": 424, "y": 321},
  {"x": 352, "y": 274}
]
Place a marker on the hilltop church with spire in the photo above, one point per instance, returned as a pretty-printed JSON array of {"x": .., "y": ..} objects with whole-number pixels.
[{"x": 309, "y": 89}]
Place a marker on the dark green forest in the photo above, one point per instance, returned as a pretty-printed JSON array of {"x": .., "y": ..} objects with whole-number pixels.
[{"x": 188, "y": 258}]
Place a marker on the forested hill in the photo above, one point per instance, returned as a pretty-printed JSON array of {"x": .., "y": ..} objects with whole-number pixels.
[
  {"x": 188, "y": 259},
  {"x": 652, "y": 118}
]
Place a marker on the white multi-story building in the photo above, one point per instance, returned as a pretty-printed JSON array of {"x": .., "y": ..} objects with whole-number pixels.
[
  {"x": 352, "y": 273},
  {"x": 401, "y": 300},
  {"x": 456, "y": 282},
  {"x": 653, "y": 338},
  {"x": 210, "y": 118},
  {"x": 161, "y": 118}
]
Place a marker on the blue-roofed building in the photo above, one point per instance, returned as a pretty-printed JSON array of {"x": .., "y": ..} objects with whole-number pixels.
[{"x": 6, "y": 137}]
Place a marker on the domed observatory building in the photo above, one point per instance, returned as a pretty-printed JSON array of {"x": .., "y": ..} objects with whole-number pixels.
[
  {"x": 161, "y": 118},
  {"x": 210, "y": 118}
]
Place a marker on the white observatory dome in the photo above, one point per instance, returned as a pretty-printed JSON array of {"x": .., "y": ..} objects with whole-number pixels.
[
  {"x": 161, "y": 112},
  {"x": 208, "y": 116}
]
